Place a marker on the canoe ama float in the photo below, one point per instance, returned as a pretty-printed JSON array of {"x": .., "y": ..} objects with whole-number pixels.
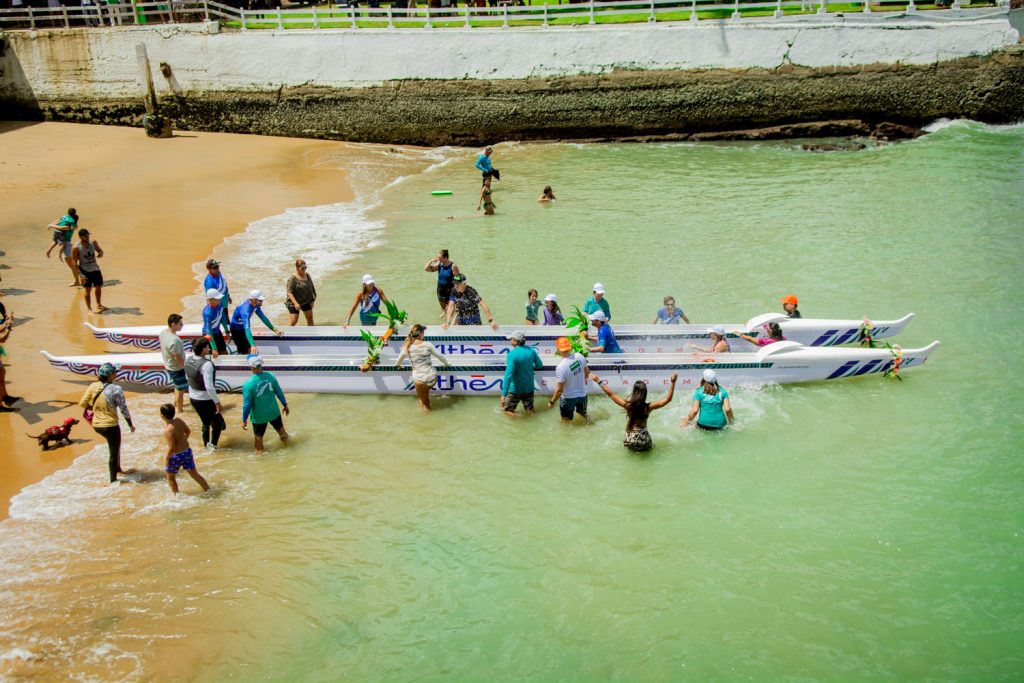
[
  {"x": 462, "y": 340},
  {"x": 472, "y": 375}
]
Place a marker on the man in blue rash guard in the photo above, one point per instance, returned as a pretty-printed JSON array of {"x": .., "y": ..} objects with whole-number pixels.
[
  {"x": 213, "y": 319},
  {"x": 215, "y": 280},
  {"x": 483, "y": 163},
  {"x": 241, "y": 319}
]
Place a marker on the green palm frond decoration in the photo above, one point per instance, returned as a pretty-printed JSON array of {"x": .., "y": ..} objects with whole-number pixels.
[
  {"x": 374, "y": 344},
  {"x": 576, "y": 327},
  {"x": 393, "y": 315}
]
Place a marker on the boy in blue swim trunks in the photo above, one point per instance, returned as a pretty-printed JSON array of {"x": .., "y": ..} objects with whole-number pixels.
[{"x": 179, "y": 455}]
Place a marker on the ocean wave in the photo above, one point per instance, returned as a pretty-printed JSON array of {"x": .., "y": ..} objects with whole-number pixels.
[{"x": 944, "y": 124}]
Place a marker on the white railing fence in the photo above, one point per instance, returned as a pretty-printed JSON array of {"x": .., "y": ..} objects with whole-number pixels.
[{"x": 503, "y": 14}]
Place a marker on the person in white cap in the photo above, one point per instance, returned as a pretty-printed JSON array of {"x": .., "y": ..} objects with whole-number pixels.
[
  {"x": 718, "y": 342},
  {"x": 552, "y": 314},
  {"x": 711, "y": 402},
  {"x": 520, "y": 365},
  {"x": 213, "y": 319},
  {"x": 241, "y": 320},
  {"x": 368, "y": 300},
  {"x": 598, "y": 303},
  {"x": 260, "y": 396},
  {"x": 606, "y": 342}
]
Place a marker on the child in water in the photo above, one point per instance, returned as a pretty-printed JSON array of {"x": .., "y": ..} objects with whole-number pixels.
[
  {"x": 547, "y": 195},
  {"x": 532, "y": 307}
]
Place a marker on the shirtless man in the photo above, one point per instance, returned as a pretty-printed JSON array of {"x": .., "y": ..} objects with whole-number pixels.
[{"x": 178, "y": 453}]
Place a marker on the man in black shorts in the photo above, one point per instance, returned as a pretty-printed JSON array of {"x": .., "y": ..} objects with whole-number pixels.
[{"x": 85, "y": 254}]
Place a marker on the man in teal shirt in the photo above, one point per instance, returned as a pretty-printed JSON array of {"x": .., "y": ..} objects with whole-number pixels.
[
  {"x": 260, "y": 395},
  {"x": 520, "y": 365},
  {"x": 598, "y": 302}
]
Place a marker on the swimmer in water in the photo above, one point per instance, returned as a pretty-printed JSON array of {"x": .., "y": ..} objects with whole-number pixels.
[
  {"x": 179, "y": 455},
  {"x": 485, "y": 198},
  {"x": 547, "y": 195}
]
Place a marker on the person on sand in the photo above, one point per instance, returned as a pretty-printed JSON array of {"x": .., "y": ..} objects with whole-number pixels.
[
  {"x": 465, "y": 305},
  {"x": 101, "y": 401},
  {"x": 241, "y": 322},
  {"x": 368, "y": 301},
  {"x": 419, "y": 352},
  {"x": 774, "y": 335},
  {"x": 718, "y": 342},
  {"x": 552, "y": 313},
  {"x": 518, "y": 385},
  {"x": 483, "y": 163},
  {"x": 789, "y": 304},
  {"x": 486, "y": 200},
  {"x": 215, "y": 280},
  {"x": 571, "y": 376},
  {"x": 202, "y": 392},
  {"x": 533, "y": 306},
  {"x": 85, "y": 254},
  {"x": 63, "y": 232},
  {"x": 213, "y": 319},
  {"x": 606, "y": 342},
  {"x": 711, "y": 402},
  {"x": 301, "y": 295},
  {"x": 6, "y": 400},
  {"x": 597, "y": 302},
  {"x": 638, "y": 439},
  {"x": 260, "y": 396},
  {"x": 547, "y": 195},
  {"x": 173, "y": 352},
  {"x": 669, "y": 314},
  {"x": 446, "y": 270},
  {"x": 179, "y": 455}
]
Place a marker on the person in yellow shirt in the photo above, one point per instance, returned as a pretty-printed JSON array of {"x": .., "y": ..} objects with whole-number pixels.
[{"x": 101, "y": 401}]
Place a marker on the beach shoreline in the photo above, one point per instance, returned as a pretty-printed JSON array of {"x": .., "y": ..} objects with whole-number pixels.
[{"x": 130, "y": 190}]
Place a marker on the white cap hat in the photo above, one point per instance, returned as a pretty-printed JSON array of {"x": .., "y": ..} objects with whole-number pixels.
[
  {"x": 551, "y": 297},
  {"x": 255, "y": 360},
  {"x": 257, "y": 294},
  {"x": 717, "y": 329},
  {"x": 213, "y": 294},
  {"x": 710, "y": 376},
  {"x": 518, "y": 335},
  {"x": 599, "y": 288},
  {"x": 598, "y": 315},
  {"x": 367, "y": 279}
]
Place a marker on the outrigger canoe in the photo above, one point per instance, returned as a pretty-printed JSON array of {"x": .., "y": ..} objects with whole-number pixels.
[
  {"x": 482, "y": 340},
  {"x": 473, "y": 375}
]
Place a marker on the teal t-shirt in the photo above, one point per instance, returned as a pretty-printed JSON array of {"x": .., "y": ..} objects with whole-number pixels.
[
  {"x": 520, "y": 364},
  {"x": 260, "y": 395},
  {"x": 592, "y": 306},
  {"x": 712, "y": 410}
]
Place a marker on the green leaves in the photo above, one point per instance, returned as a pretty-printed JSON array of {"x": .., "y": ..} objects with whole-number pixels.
[
  {"x": 576, "y": 329},
  {"x": 394, "y": 316}
]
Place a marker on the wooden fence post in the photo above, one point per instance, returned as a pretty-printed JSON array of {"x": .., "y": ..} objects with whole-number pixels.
[{"x": 592, "y": 22}]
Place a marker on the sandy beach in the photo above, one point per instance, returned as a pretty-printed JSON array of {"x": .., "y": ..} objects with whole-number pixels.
[{"x": 156, "y": 207}]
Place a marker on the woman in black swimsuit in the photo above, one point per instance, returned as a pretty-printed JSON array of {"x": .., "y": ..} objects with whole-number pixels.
[{"x": 638, "y": 439}]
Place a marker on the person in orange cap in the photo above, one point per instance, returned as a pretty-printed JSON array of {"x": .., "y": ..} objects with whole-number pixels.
[{"x": 789, "y": 303}]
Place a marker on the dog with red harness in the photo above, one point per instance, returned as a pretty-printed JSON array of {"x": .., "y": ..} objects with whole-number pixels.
[{"x": 55, "y": 434}]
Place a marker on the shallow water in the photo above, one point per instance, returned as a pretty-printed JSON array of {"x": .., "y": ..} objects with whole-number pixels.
[{"x": 863, "y": 530}]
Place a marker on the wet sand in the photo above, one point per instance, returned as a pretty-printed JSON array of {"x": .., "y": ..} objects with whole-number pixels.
[{"x": 156, "y": 207}]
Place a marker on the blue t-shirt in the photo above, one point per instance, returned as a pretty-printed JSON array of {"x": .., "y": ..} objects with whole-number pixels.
[
  {"x": 242, "y": 318},
  {"x": 606, "y": 339},
  {"x": 665, "y": 319},
  {"x": 712, "y": 410},
  {"x": 213, "y": 318}
]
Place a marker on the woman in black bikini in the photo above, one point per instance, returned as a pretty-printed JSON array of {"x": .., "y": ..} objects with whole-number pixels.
[{"x": 638, "y": 439}]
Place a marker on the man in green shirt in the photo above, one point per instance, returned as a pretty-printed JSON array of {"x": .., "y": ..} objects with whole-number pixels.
[
  {"x": 598, "y": 302},
  {"x": 520, "y": 365},
  {"x": 260, "y": 395}
]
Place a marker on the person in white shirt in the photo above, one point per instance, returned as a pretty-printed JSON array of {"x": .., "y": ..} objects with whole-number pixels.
[{"x": 571, "y": 376}]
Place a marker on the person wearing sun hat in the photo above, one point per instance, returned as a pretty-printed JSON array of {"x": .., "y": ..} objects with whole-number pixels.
[
  {"x": 520, "y": 365},
  {"x": 368, "y": 300},
  {"x": 789, "y": 304},
  {"x": 711, "y": 402},
  {"x": 552, "y": 314},
  {"x": 597, "y": 302},
  {"x": 718, "y": 342},
  {"x": 101, "y": 401},
  {"x": 571, "y": 378},
  {"x": 260, "y": 396},
  {"x": 241, "y": 322}
]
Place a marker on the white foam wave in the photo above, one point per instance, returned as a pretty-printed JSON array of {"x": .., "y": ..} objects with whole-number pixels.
[{"x": 943, "y": 124}]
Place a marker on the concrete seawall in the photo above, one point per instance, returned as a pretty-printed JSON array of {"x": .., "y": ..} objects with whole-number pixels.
[{"x": 452, "y": 86}]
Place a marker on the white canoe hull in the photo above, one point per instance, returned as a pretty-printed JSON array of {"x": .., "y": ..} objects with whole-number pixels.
[
  {"x": 482, "y": 340},
  {"x": 473, "y": 375}
]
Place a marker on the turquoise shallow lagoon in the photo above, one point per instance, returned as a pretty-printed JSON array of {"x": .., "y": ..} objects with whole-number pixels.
[{"x": 860, "y": 530}]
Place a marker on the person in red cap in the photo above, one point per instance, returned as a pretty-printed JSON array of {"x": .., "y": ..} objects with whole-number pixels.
[{"x": 789, "y": 303}]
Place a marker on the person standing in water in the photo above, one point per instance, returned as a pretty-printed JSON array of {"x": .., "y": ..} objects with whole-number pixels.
[
  {"x": 64, "y": 235},
  {"x": 446, "y": 270},
  {"x": 173, "y": 352},
  {"x": 179, "y": 455},
  {"x": 597, "y": 302},
  {"x": 241, "y": 322},
  {"x": 789, "y": 304},
  {"x": 571, "y": 377},
  {"x": 518, "y": 385},
  {"x": 101, "y": 401},
  {"x": 547, "y": 195},
  {"x": 419, "y": 352},
  {"x": 213, "y": 319},
  {"x": 201, "y": 374},
  {"x": 465, "y": 306},
  {"x": 669, "y": 314},
  {"x": 301, "y": 294},
  {"x": 368, "y": 300},
  {"x": 485, "y": 198},
  {"x": 85, "y": 254},
  {"x": 260, "y": 396},
  {"x": 638, "y": 439},
  {"x": 552, "y": 314},
  {"x": 711, "y": 403},
  {"x": 483, "y": 163},
  {"x": 533, "y": 306}
]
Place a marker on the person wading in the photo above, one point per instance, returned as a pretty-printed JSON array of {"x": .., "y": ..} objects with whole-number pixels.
[{"x": 202, "y": 392}]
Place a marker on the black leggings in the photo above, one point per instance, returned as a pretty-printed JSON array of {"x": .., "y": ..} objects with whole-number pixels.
[
  {"x": 241, "y": 341},
  {"x": 211, "y": 419},
  {"x": 219, "y": 343},
  {"x": 113, "y": 437}
]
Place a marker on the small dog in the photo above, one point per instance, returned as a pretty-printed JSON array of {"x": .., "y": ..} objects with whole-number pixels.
[{"x": 57, "y": 434}]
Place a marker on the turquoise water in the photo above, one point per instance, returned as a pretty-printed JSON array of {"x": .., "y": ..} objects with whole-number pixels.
[{"x": 863, "y": 530}]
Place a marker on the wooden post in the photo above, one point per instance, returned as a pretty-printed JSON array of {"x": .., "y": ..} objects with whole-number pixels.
[
  {"x": 693, "y": 10},
  {"x": 64, "y": 9},
  {"x": 241, "y": 12},
  {"x": 545, "y": 14},
  {"x": 280, "y": 22},
  {"x": 653, "y": 18},
  {"x": 467, "y": 14},
  {"x": 206, "y": 10},
  {"x": 31, "y": 18},
  {"x": 352, "y": 12},
  {"x": 149, "y": 94}
]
